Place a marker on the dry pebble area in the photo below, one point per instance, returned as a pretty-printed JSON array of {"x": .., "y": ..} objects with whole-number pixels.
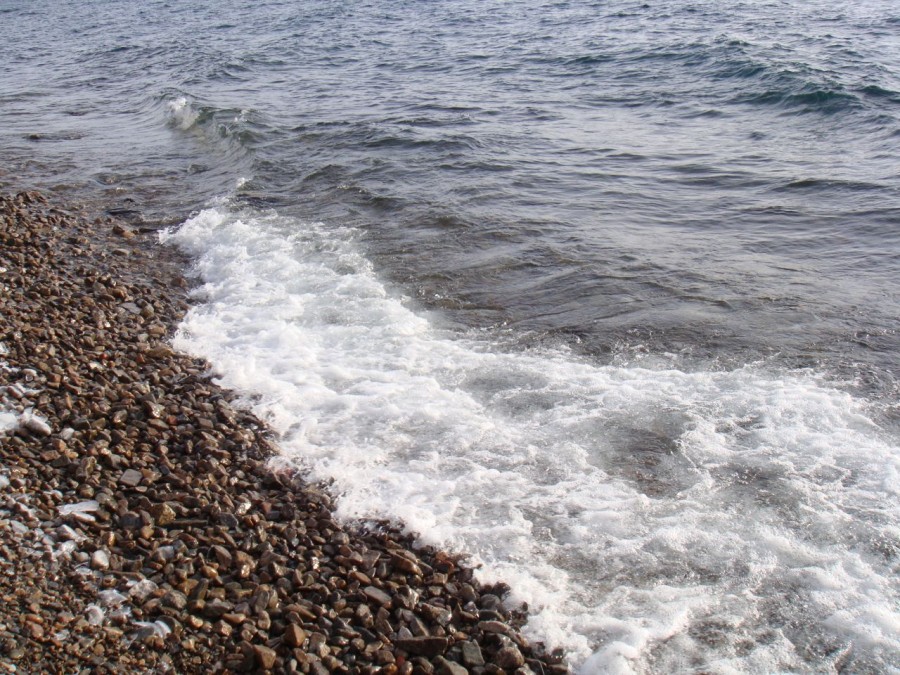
[{"x": 141, "y": 528}]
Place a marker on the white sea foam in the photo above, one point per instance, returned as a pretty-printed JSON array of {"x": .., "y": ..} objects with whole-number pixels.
[
  {"x": 655, "y": 520},
  {"x": 9, "y": 418},
  {"x": 181, "y": 113}
]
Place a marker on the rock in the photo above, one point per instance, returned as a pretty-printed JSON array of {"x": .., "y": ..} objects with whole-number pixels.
[
  {"x": 154, "y": 410},
  {"x": 244, "y": 564},
  {"x": 88, "y": 506},
  {"x": 439, "y": 615},
  {"x": 66, "y": 533},
  {"x": 424, "y": 646},
  {"x": 100, "y": 560},
  {"x": 377, "y": 595},
  {"x": 294, "y": 635},
  {"x": 131, "y": 477},
  {"x": 234, "y": 618},
  {"x": 130, "y": 520},
  {"x": 215, "y": 608},
  {"x": 142, "y": 589},
  {"x": 36, "y": 424},
  {"x": 509, "y": 657},
  {"x": 444, "y": 667},
  {"x": 94, "y": 615},
  {"x": 228, "y": 520},
  {"x": 122, "y": 231},
  {"x": 175, "y": 599},
  {"x": 223, "y": 556},
  {"x": 159, "y": 352},
  {"x": 405, "y": 565},
  {"x": 471, "y": 654},
  {"x": 265, "y": 657},
  {"x": 163, "y": 514},
  {"x": 35, "y": 631}
]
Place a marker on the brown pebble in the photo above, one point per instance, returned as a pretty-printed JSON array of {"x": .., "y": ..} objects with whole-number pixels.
[
  {"x": 424, "y": 646},
  {"x": 377, "y": 595},
  {"x": 444, "y": 667},
  {"x": 294, "y": 635},
  {"x": 163, "y": 514},
  {"x": 509, "y": 657},
  {"x": 131, "y": 477},
  {"x": 265, "y": 657}
]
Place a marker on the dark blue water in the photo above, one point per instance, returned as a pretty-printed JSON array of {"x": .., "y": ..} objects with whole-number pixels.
[
  {"x": 701, "y": 187},
  {"x": 695, "y": 177}
]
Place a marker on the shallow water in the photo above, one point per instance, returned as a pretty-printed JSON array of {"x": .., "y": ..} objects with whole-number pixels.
[{"x": 603, "y": 293}]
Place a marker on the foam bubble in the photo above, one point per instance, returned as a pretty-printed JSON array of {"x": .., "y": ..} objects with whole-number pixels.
[
  {"x": 181, "y": 113},
  {"x": 653, "y": 519}
]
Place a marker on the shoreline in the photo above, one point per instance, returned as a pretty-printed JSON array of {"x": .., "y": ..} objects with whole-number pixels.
[{"x": 141, "y": 527}]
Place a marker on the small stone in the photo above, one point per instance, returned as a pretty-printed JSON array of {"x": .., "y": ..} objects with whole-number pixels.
[
  {"x": 130, "y": 520},
  {"x": 159, "y": 352},
  {"x": 18, "y": 527},
  {"x": 131, "y": 477},
  {"x": 175, "y": 599},
  {"x": 154, "y": 410},
  {"x": 244, "y": 563},
  {"x": 36, "y": 424},
  {"x": 509, "y": 657},
  {"x": 100, "y": 560},
  {"x": 424, "y": 646},
  {"x": 163, "y": 514},
  {"x": 494, "y": 627},
  {"x": 265, "y": 657},
  {"x": 294, "y": 636},
  {"x": 94, "y": 615},
  {"x": 263, "y": 621},
  {"x": 123, "y": 231},
  {"x": 471, "y": 654},
  {"x": 377, "y": 595},
  {"x": 423, "y": 665},
  {"x": 223, "y": 556},
  {"x": 223, "y": 628},
  {"x": 444, "y": 667},
  {"x": 66, "y": 533},
  {"x": 35, "y": 631},
  {"x": 405, "y": 565},
  {"x": 383, "y": 657},
  {"x": 234, "y": 618},
  {"x": 214, "y": 609},
  {"x": 439, "y": 615},
  {"x": 142, "y": 589},
  {"x": 318, "y": 645},
  {"x": 228, "y": 520}
]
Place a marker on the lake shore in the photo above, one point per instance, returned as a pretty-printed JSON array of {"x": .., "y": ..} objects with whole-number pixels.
[{"x": 142, "y": 528}]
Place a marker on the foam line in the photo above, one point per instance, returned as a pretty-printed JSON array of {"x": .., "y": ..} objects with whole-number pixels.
[{"x": 652, "y": 518}]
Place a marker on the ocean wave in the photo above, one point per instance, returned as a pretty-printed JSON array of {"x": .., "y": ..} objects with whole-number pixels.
[
  {"x": 182, "y": 114},
  {"x": 829, "y": 185},
  {"x": 651, "y": 516},
  {"x": 806, "y": 98}
]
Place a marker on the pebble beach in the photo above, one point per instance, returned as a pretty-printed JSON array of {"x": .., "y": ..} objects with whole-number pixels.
[{"x": 143, "y": 527}]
